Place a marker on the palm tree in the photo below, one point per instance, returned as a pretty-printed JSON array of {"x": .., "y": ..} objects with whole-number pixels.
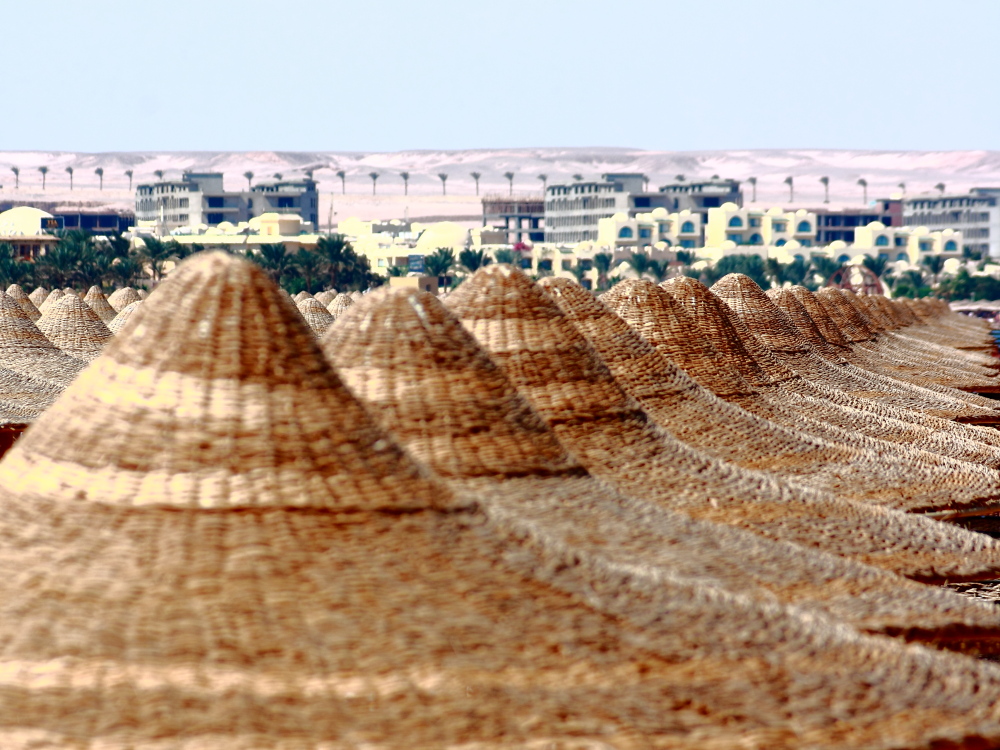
[
  {"x": 440, "y": 263},
  {"x": 473, "y": 260},
  {"x": 602, "y": 262},
  {"x": 249, "y": 176},
  {"x": 444, "y": 183},
  {"x": 128, "y": 173},
  {"x": 876, "y": 265},
  {"x": 639, "y": 263},
  {"x": 864, "y": 187},
  {"x": 70, "y": 171},
  {"x": 406, "y": 182},
  {"x": 309, "y": 173},
  {"x": 791, "y": 188},
  {"x": 826, "y": 188},
  {"x": 507, "y": 256},
  {"x": 343, "y": 181},
  {"x": 17, "y": 176},
  {"x": 278, "y": 176},
  {"x": 545, "y": 182},
  {"x": 753, "y": 184},
  {"x": 44, "y": 171},
  {"x": 336, "y": 254},
  {"x": 940, "y": 188},
  {"x": 578, "y": 177},
  {"x": 273, "y": 258},
  {"x": 902, "y": 187},
  {"x": 155, "y": 253},
  {"x": 158, "y": 173},
  {"x": 476, "y": 176},
  {"x": 374, "y": 176},
  {"x": 309, "y": 264},
  {"x": 645, "y": 183},
  {"x": 679, "y": 177},
  {"x": 510, "y": 180},
  {"x": 100, "y": 175}
]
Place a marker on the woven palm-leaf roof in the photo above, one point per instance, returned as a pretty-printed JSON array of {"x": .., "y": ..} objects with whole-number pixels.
[
  {"x": 340, "y": 303},
  {"x": 211, "y": 575},
  {"x": 326, "y": 297},
  {"x": 16, "y": 293},
  {"x": 97, "y": 302},
  {"x": 54, "y": 296},
  {"x": 72, "y": 326},
  {"x": 38, "y": 295},
  {"x": 122, "y": 318},
  {"x": 554, "y": 367},
  {"x": 317, "y": 316},
  {"x": 439, "y": 393},
  {"x": 121, "y": 298},
  {"x": 26, "y": 350}
]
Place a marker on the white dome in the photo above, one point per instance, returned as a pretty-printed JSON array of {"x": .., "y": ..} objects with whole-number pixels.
[{"x": 22, "y": 221}]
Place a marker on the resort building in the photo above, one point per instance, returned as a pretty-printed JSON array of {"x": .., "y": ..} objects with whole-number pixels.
[
  {"x": 910, "y": 244},
  {"x": 701, "y": 195},
  {"x": 682, "y": 229},
  {"x": 519, "y": 218},
  {"x": 573, "y": 210},
  {"x": 200, "y": 199},
  {"x": 976, "y": 214},
  {"x": 267, "y": 229},
  {"x": 30, "y": 231},
  {"x": 755, "y": 226},
  {"x": 835, "y": 224}
]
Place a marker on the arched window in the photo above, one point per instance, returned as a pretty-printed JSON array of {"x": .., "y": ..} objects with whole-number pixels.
[
  {"x": 902, "y": 256},
  {"x": 756, "y": 239},
  {"x": 881, "y": 241},
  {"x": 687, "y": 227},
  {"x": 665, "y": 228},
  {"x": 843, "y": 258},
  {"x": 950, "y": 246},
  {"x": 799, "y": 256},
  {"x": 804, "y": 226},
  {"x": 625, "y": 233},
  {"x": 736, "y": 221},
  {"x": 780, "y": 242},
  {"x": 883, "y": 256}
]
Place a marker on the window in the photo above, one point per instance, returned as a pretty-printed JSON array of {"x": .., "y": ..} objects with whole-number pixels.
[
  {"x": 755, "y": 222},
  {"x": 687, "y": 227},
  {"x": 779, "y": 226},
  {"x": 799, "y": 256},
  {"x": 641, "y": 202},
  {"x": 687, "y": 243},
  {"x": 286, "y": 202},
  {"x": 736, "y": 221},
  {"x": 545, "y": 265},
  {"x": 925, "y": 247},
  {"x": 525, "y": 262},
  {"x": 214, "y": 218},
  {"x": 780, "y": 242},
  {"x": 950, "y": 246},
  {"x": 645, "y": 233},
  {"x": 883, "y": 256},
  {"x": 881, "y": 241},
  {"x": 216, "y": 201},
  {"x": 843, "y": 258},
  {"x": 625, "y": 233},
  {"x": 900, "y": 241},
  {"x": 586, "y": 264},
  {"x": 737, "y": 238},
  {"x": 381, "y": 262},
  {"x": 804, "y": 226},
  {"x": 902, "y": 256},
  {"x": 183, "y": 203},
  {"x": 756, "y": 239},
  {"x": 664, "y": 229},
  {"x": 806, "y": 243}
]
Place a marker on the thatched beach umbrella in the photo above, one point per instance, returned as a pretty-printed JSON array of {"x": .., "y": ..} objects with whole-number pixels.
[
  {"x": 122, "y": 318},
  {"x": 54, "y": 296},
  {"x": 340, "y": 303},
  {"x": 429, "y": 384},
  {"x": 142, "y": 293},
  {"x": 97, "y": 302},
  {"x": 121, "y": 298},
  {"x": 774, "y": 329},
  {"x": 326, "y": 297},
  {"x": 16, "y": 293},
  {"x": 301, "y": 296},
  {"x": 563, "y": 379},
  {"x": 38, "y": 296},
  {"x": 317, "y": 316},
  {"x": 72, "y": 326},
  {"x": 26, "y": 350},
  {"x": 255, "y": 563}
]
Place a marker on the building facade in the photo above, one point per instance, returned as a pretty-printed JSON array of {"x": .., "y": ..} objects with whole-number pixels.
[
  {"x": 574, "y": 210},
  {"x": 517, "y": 218},
  {"x": 701, "y": 195},
  {"x": 976, "y": 214},
  {"x": 200, "y": 198},
  {"x": 840, "y": 224},
  {"x": 755, "y": 226}
]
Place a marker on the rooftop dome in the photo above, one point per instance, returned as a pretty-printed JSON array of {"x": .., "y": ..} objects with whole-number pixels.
[{"x": 22, "y": 221}]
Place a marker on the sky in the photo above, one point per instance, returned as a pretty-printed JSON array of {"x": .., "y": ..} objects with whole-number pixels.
[{"x": 393, "y": 75}]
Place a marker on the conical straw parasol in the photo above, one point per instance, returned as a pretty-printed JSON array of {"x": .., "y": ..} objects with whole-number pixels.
[
  {"x": 553, "y": 366},
  {"x": 142, "y": 293},
  {"x": 275, "y": 571},
  {"x": 54, "y": 296},
  {"x": 301, "y": 296},
  {"x": 849, "y": 467},
  {"x": 340, "y": 303},
  {"x": 38, "y": 296},
  {"x": 780, "y": 395},
  {"x": 72, "y": 326},
  {"x": 121, "y": 298},
  {"x": 326, "y": 297},
  {"x": 778, "y": 333},
  {"x": 317, "y": 316},
  {"x": 16, "y": 293},
  {"x": 25, "y": 349},
  {"x": 429, "y": 384},
  {"x": 122, "y": 318},
  {"x": 356, "y": 295},
  {"x": 97, "y": 302}
]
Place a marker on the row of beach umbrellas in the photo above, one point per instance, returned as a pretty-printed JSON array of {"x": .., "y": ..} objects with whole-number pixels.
[{"x": 518, "y": 516}]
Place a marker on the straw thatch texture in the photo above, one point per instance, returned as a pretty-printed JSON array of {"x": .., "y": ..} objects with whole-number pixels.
[
  {"x": 317, "y": 316},
  {"x": 561, "y": 376},
  {"x": 911, "y": 479},
  {"x": 122, "y": 318},
  {"x": 24, "y": 398},
  {"x": 72, "y": 326},
  {"x": 54, "y": 296},
  {"x": 142, "y": 293},
  {"x": 16, "y": 293},
  {"x": 38, "y": 296},
  {"x": 356, "y": 295},
  {"x": 438, "y": 392},
  {"x": 25, "y": 349},
  {"x": 122, "y": 298},
  {"x": 849, "y": 467},
  {"x": 97, "y": 302},
  {"x": 301, "y": 296},
  {"x": 933, "y": 321},
  {"x": 287, "y": 577},
  {"x": 326, "y": 297},
  {"x": 340, "y": 303},
  {"x": 777, "y": 332}
]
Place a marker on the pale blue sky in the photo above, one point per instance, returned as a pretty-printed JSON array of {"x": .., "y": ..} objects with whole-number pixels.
[{"x": 108, "y": 75}]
